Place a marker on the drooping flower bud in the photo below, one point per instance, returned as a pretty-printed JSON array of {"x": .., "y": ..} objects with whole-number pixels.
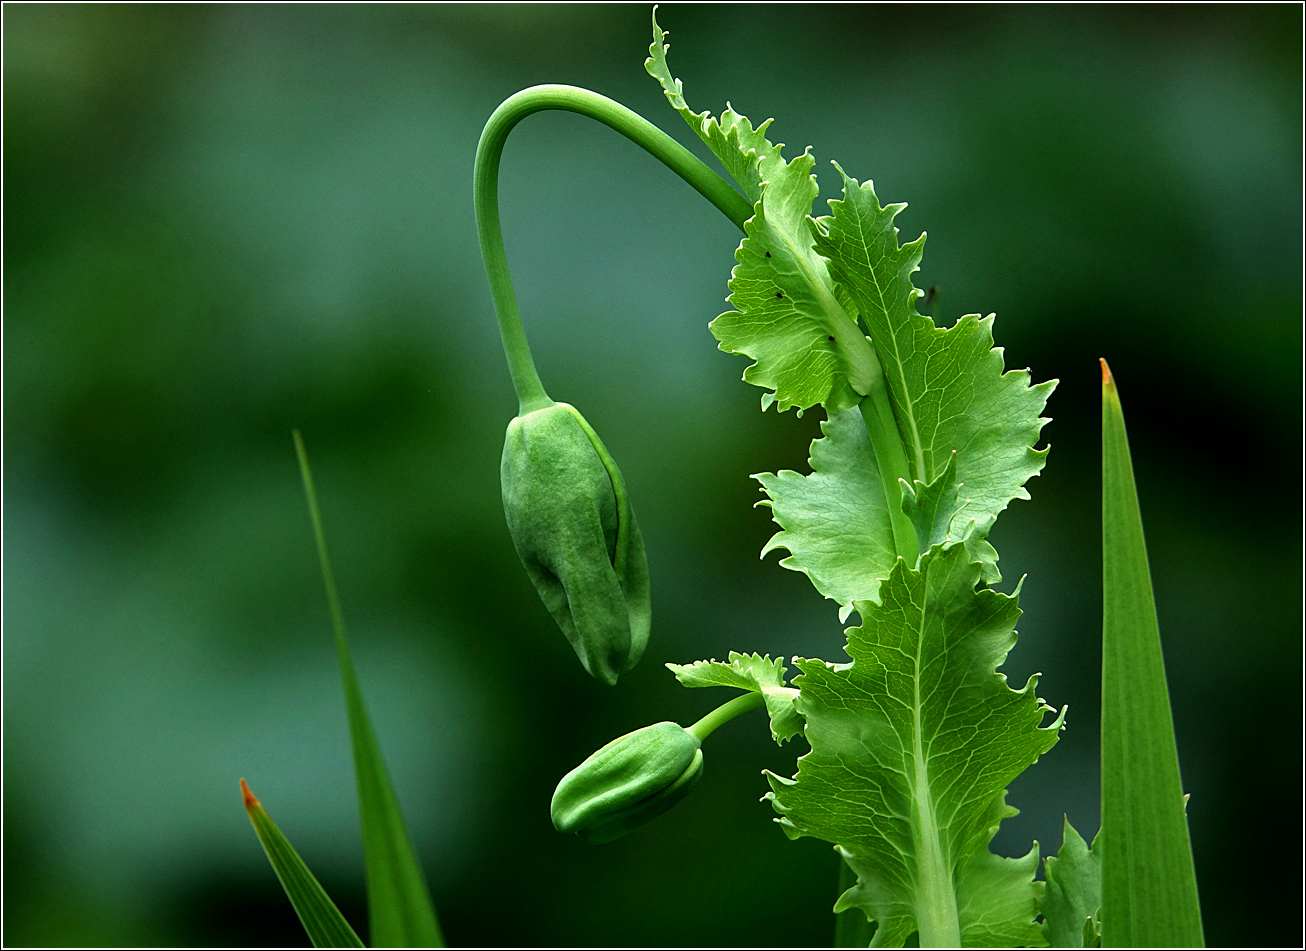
[
  {"x": 633, "y": 779},
  {"x": 570, "y": 521}
]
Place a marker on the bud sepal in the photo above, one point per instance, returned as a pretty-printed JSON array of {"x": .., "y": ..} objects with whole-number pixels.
[
  {"x": 628, "y": 782},
  {"x": 573, "y": 527}
]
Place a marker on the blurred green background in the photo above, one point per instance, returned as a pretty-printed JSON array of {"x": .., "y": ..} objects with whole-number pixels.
[{"x": 224, "y": 222}]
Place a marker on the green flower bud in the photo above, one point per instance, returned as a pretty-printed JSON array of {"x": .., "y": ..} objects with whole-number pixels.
[
  {"x": 633, "y": 779},
  {"x": 569, "y": 518}
]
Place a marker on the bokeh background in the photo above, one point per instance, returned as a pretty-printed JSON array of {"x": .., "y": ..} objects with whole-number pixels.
[{"x": 224, "y": 222}]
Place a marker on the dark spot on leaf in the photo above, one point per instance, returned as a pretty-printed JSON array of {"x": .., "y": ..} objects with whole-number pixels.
[
  {"x": 831, "y": 339},
  {"x": 779, "y": 294},
  {"x": 768, "y": 254}
]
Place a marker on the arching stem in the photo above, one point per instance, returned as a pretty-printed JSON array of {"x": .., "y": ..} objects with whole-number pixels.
[
  {"x": 530, "y": 391},
  {"x": 531, "y": 395}
]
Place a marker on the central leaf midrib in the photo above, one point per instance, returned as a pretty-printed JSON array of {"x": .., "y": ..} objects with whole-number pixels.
[
  {"x": 908, "y": 409},
  {"x": 825, "y": 299},
  {"x": 936, "y": 901}
]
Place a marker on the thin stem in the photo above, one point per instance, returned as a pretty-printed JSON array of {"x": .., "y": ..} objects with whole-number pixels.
[
  {"x": 724, "y": 714},
  {"x": 891, "y": 460},
  {"x": 525, "y": 379}
]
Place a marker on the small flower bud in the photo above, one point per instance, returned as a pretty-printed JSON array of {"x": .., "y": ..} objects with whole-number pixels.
[
  {"x": 566, "y": 507},
  {"x": 633, "y": 779}
]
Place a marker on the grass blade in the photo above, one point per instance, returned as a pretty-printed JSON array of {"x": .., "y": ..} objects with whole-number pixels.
[
  {"x": 399, "y": 907},
  {"x": 1149, "y": 887},
  {"x": 322, "y": 920}
]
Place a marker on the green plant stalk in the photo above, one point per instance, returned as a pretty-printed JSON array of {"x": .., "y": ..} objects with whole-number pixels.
[
  {"x": 725, "y": 713},
  {"x": 1149, "y": 886},
  {"x": 891, "y": 461},
  {"x": 326, "y": 926},
  {"x": 526, "y": 381},
  {"x": 400, "y": 911}
]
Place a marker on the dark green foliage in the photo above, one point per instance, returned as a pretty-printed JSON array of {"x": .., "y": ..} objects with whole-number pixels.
[{"x": 1072, "y": 901}]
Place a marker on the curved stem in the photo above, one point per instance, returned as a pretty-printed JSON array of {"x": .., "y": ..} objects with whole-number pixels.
[
  {"x": 530, "y": 391},
  {"x": 724, "y": 714}
]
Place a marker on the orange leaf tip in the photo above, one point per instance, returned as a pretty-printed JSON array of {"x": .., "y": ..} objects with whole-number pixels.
[{"x": 250, "y": 799}]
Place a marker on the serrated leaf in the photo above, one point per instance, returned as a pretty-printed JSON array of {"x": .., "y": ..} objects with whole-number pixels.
[
  {"x": 399, "y": 905},
  {"x": 957, "y": 412},
  {"x": 757, "y": 673},
  {"x": 745, "y": 671},
  {"x": 933, "y": 507},
  {"x": 852, "y": 929},
  {"x": 1149, "y": 886},
  {"x": 997, "y": 899},
  {"x": 940, "y": 514},
  {"x": 326, "y": 926},
  {"x": 732, "y": 138},
  {"x": 1072, "y": 901},
  {"x": 788, "y": 316},
  {"x": 835, "y": 521},
  {"x": 913, "y": 745},
  {"x": 948, "y": 388}
]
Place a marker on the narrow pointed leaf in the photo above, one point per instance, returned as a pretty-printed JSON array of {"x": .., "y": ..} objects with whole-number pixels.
[
  {"x": 1149, "y": 886},
  {"x": 757, "y": 673},
  {"x": 326, "y": 926},
  {"x": 1072, "y": 901},
  {"x": 399, "y": 905},
  {"x": 913, "y": 745}
]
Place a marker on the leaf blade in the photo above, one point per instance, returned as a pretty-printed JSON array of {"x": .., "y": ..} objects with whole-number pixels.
[
  {"x": 787, "y": 317},
  {"x": 834, "y": 522},
  {"x": 1149, "y": 884},
  {"x": 326, "y": 926},
  {"x": 756, "y": 673},
  {"x": 949, "y": 388},
  {"x": 902, "y": 775},
  {"x": 400, "y": 911},
  {"x": 1072, "y": 901},
  {"x": 968, "y": 426}
]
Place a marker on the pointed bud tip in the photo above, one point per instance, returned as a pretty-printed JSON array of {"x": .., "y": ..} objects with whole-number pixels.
[
  {"x": 1106, "y": 372},
  {"x": 250, "y": 799}
]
